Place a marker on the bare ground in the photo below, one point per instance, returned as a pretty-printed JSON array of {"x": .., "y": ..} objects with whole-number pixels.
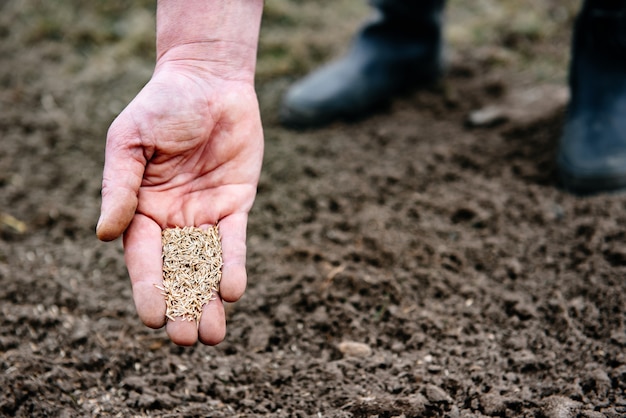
[{"x": 409, "y": 264}]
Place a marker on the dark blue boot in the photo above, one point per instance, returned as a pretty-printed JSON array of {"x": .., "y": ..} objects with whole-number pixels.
[
  {"x": 398, "y": 51},
  {"x": 592, "y": 152}
]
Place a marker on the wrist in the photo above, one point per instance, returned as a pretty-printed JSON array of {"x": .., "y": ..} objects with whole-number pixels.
[{"x": 217, "y": 35}]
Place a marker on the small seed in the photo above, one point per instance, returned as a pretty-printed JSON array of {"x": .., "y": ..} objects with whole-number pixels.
[{"x": 192, "y": 270}]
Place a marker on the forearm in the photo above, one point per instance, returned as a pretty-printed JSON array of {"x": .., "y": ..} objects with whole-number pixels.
[{"x": 221, "y": 33}]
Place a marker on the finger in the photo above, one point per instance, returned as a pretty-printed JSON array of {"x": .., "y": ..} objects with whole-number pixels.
[
  {"x": 142, "y": 252},
  {"x": 212, "y": 327},
  {"x": 123, "y": 173},
  {"x": 182, "y": 332},
  {"x": 117, "y": 210},
  {"x": 234, "y": 276}
]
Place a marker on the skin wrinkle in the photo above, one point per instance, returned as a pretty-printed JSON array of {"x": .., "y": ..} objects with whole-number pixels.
[
  {"x": 147, "y": 149},
  {"x": 238, "y": 253},
  {"x": 154, "y": 129},
  {"x": 220, "y": 63},
  {"x": 225, "y": 208},
  {"x": 179, "y": 160},
  {"x": 108, "y": 182},
  {"x": 208, "y": 120},
  {"x": 196, "y": 175},
  {"x": 196, "y": 184},
  {"x": 135, "y": 150},
  {"x": 174, "y": 45}
]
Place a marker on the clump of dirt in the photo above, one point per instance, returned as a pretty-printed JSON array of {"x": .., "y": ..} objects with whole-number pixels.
[
  {"x": 192, "y": 270},
  {"x": 413, "y": 264}
]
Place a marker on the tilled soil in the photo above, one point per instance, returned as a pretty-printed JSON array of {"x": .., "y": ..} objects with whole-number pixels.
[{"x": 409, "y": 264}]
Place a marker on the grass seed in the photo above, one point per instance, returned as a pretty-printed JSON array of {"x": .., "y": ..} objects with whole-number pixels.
[{"x": 192, "y": 270}]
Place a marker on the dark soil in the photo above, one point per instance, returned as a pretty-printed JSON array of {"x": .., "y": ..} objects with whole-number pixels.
[{"x": 473, "y": 284}]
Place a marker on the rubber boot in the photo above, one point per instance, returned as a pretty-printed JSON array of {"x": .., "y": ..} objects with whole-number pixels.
[
  {"x": 592, "y": 151},
  {"x": 396, "y": 52}
]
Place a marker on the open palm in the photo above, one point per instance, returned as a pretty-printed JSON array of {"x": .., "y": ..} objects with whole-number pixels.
[{"x": 187, "y": 151}]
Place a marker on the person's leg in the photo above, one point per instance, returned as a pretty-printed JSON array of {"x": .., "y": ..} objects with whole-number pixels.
[
  {"x": 592, "y": 151},
  {"x": 397, "y": 51}
]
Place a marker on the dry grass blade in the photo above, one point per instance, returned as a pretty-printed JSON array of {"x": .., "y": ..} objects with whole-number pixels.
[
  {"x": 192, "y": 270},
  {"x": 12, "y": 222}
]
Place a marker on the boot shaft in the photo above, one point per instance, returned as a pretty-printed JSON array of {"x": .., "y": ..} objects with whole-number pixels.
[
  {"x": 598, "y": 47},
  {"x": 414, "y": 18},
  {"x": 409, "y": 9},
  {"x": 603, "y": 6},
  {"x": 601, "y": 27},
  {"x": 401, "y": 24}
]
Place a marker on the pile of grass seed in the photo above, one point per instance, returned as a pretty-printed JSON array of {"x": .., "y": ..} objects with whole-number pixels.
[{"x": 192, "y": 270}]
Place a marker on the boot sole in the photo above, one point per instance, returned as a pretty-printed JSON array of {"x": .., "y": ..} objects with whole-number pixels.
[
  {"x": 302, "y": 120},
  {"x": 585, "y": 184}
]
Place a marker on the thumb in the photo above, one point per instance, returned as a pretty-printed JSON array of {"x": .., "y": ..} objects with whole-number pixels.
[
  {"x": 123, "y": 173},
  {"x": 117, "y": 210}
]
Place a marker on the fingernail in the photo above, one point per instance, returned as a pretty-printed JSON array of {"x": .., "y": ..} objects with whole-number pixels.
[{"x": 99, "y": 222}]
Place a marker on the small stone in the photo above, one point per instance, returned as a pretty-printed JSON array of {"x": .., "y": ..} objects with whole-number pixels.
[
  {"x": 354, "y": 349},
  {"x": 437, "y": 395},
  {"x": 487, "y": 116},
  {"x": 560, "y": 407}
]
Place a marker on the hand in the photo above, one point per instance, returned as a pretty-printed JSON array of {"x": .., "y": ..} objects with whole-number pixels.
[{"x": 186, "y": 151}]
